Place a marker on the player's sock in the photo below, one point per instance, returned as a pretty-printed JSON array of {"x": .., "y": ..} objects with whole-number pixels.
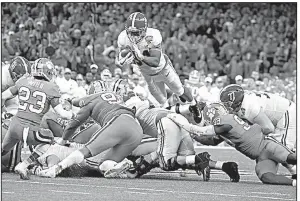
[
  {"x": 37, "y": 152},
  {"x": 180, "y": 109},
  {"x": 75, "y": 157}
]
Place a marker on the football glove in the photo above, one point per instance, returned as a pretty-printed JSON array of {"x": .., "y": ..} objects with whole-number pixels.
[{"x": 128, "y": 59}]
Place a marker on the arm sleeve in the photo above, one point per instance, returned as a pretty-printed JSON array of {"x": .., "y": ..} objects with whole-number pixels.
[
  {"x": 80, "y": 118},
  {"x": 157, "y": 39}
]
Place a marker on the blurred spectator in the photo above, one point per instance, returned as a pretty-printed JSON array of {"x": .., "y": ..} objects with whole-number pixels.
[
  {"x": 67, "y": 85},
  {"x": 79, "y": 91},
  {"x": 215, "y": 91},
  {"x": 105, "y": 75},
  {"x": 88, "y": 80},
  {"x": 235, "y": 67},
  {"x": 206, "y": 91},
  {"x": 202, "y": 36},
  {"x": 94, "y": 71},
  {"x": 239, "y": 80},
  {"x": 290, "y": 66}
]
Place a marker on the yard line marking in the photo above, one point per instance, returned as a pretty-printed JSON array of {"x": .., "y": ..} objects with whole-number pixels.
[
  {"x": 69, "y": 192},
  {"x": 270, "y": 193},
  {"x": 8, "y": 192},
  {"x": 156, "y": 190},
  {"x": 136, "y": 192}
]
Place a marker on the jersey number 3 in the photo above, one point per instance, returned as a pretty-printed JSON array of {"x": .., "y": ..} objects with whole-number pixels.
[{"x": 35, "y": 108}]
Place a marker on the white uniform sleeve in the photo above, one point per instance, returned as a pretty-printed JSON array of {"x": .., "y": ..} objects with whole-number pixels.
[
  {"x": 122, "y": 39},
  {"x": 157, "y": 38},
  {"x": 252, "y": 108}
]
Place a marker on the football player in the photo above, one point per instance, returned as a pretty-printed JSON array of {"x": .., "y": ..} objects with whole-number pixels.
[
  {"x": 36, "y": 94},
  {"x": 11, "y": 73},
  {"x": 175, "y": 146},
  {"x": 145, "y": 45},
  {"x": 249, "y": 140},
  {"x": 120, "y": 132},
  {"x": 273, "y": 113},
  {"x": 12, "y": 158}
]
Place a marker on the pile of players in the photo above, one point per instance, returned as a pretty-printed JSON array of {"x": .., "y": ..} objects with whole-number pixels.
[{"x": 109, "y": 136}]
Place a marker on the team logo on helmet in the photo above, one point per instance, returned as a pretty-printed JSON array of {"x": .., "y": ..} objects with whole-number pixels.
[
  {"x": 18, "y": 67},
  {"x": 232, "y": 97},
  {"x": 43, "y": 67},
  {"x": 136, "y": 27}
]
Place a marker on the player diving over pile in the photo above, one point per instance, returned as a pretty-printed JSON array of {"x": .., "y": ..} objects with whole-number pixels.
[{"x": 142, "y": 46}]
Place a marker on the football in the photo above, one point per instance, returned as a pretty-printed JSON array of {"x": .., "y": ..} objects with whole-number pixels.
[{"x": 125, "y": 51}]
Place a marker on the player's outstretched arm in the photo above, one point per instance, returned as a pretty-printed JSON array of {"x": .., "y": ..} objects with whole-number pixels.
[
  {"x": 81, "y": 117},
  {"x": 9, "y": 93},
  {"x": 194, "y": 129},
  {"x": 266, "y": 124}
]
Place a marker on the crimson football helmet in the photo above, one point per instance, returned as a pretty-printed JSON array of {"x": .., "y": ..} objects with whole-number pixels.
[
  {"x": 18, "y": 67},
  {"x": 213, "y": 111},
  {"x": 136, "y": 27},
  {"x": 232, "y": 97},
  {"x": 43, "y": 67}
]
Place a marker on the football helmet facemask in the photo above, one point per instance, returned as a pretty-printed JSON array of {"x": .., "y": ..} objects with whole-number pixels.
[{"x": 136, "y": 27}]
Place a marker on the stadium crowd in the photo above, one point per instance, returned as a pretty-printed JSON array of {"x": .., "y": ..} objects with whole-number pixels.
[{"x": 250, "y": 44}]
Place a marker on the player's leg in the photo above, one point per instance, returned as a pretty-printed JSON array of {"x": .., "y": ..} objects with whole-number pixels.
[
  {"x": 289, "y": 138},
  {"x": 176, "y": 149},
  {"x": 172, "y": 80},
  {"x": 85, "y": 135},
  {"x": 146, "y": 146},
  {"x": 42, "y": 140},
  {"x": 11, "y": 159},
  {"x": 109, "y": 136},
  {"x": 266, "y": 170},
  {"x": 12, "y": 137},
  {"x": 157, "y": 89},
  {"x": 278, "y": 152}
]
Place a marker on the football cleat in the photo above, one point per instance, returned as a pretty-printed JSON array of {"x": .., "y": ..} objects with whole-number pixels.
[
  {"x": 51, "y": 172},
  {"x": 22, "y": 170},
  {"x": 202, "y": 165},
  {"x": 195, "y": 110},
  {"x": 119, "y": 170},
  {"x": 231, "y": 169}
]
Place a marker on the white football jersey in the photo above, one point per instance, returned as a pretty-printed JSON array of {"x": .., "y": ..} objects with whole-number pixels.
[
  {"x": 272, "y": 105},
  {"x": 6, "y": 78},
  {"x": 153, "y": 39}
]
